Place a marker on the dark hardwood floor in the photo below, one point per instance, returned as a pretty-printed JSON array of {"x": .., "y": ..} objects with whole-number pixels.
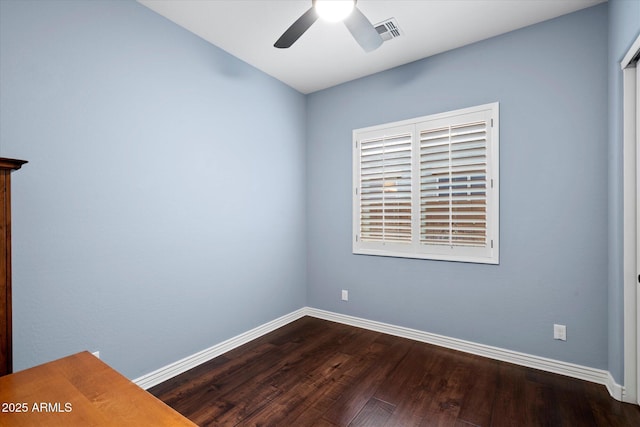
[{"x": 318, "y": 373}]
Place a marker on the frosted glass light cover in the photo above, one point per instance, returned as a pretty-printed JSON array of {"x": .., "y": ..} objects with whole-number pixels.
[{"x": 334, "y": 10}]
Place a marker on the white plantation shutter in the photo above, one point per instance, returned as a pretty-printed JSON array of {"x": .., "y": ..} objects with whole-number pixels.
[
  {"x": 385, "y": 188},
  {"x": 453, "y": 185},
  {"x": 428, "y": 187}
]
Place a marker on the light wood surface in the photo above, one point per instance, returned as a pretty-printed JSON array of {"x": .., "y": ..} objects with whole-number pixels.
[{"x": 80, "y": 390}]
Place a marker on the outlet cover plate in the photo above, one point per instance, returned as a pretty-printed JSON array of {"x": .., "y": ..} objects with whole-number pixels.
[{"x": 559, "y": 332}]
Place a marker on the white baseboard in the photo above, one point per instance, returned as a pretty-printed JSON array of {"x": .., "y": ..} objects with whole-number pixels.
[
  {"x": 598, "y": 376},
  {"x": 167, "y": 372}
]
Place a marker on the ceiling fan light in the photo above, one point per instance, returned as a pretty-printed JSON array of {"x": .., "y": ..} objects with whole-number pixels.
[{"x": 334, "y": 10}]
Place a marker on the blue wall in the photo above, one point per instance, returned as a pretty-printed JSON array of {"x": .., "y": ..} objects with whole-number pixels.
[
  {"x": 162, "y": 208},
  {"x": 624, "y": 28},
  {"x": 551, "y": 82}
]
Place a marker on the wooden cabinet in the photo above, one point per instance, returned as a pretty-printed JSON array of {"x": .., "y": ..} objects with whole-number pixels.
[{"x": 6, "y": 353}]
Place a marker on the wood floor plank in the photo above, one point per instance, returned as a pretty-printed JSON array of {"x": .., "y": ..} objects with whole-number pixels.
[
  {"x": 311, "y": 416},
  {"x": 218, "y": 385},
  {"x": 200, "y": 374},
  {"x": 559, "y": 399},
  {"x": 439, "y": 389},
  {"x": 378, "y": 365},
  {"x": 292, "y": 403},
  {"x": 536, "y": 405},
  {"x": 312, "y": 372},
  {"x": 509, "y": 403},
  {"x": 411, "y": 405},
  {"x": 478, "y": 402},
  {"x": 438, "y": 419},
  {"x": 607, "y": 411},
  {"x": 449, "y": 394},
  {"x": 404, "y": 375},
  {"x": 272, "y": 380},
  {"x": 374, "y": 413}
]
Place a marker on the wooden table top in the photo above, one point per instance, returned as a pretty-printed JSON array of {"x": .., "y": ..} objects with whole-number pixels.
[{"x": 80, "y": 390}]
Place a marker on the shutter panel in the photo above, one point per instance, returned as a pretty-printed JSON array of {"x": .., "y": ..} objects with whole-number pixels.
[
  {"x": 453, "y": 185},
  {"x": 385, "y": 188}
]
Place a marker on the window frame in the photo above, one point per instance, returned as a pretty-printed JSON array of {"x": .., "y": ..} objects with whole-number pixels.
[{"x": 487, "y": 254}]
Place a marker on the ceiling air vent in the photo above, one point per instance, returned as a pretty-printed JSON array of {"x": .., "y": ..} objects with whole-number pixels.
[{"x": 388, "y": 29}]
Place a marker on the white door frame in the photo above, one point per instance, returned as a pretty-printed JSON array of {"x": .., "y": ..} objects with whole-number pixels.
[{"x": 631, "y": 222}]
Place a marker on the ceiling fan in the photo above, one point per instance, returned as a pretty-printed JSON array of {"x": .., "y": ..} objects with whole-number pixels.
[{"x": 335, "y": 11}]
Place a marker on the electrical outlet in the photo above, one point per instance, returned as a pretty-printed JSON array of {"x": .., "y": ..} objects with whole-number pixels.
[
  {"x": 345, "y": 295},
  {"x": 559, "y": 332}
]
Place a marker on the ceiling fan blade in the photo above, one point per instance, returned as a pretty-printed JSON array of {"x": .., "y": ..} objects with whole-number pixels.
[
  {"x": 363, "y": 31},
  {"x": 297, "y": 29}
]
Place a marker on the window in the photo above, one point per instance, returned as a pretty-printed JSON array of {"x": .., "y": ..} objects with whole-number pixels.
[{"x": 428, "y": 187}]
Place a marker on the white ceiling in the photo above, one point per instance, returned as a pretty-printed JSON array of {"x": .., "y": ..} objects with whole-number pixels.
[{"x": 327, "y": 54}]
